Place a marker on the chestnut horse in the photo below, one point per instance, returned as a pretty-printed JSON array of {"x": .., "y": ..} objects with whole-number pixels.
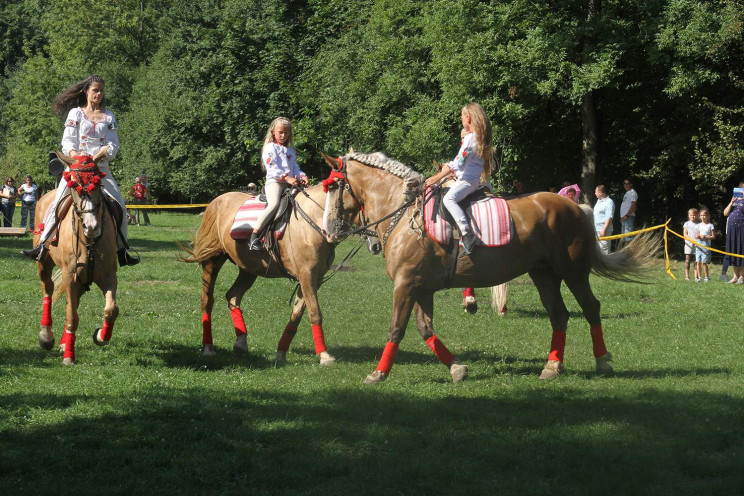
[
  {"x": 553, "y": 240},
  {"x": 85, "y": 251},
  {"x": 302, "y": 253}
]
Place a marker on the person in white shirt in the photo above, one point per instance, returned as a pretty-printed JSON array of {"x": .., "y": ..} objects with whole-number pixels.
[
  {"x": 282, "y": 171},
  {"x": 89, "y": 128},
  {"x": 628, "y": 210},
  {"x": 471, "y": 166},
  {"x": 604, "y": 210},
  {"x": 28, "y": 202}
]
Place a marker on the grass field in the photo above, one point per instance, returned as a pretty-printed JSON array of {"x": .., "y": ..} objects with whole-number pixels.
[{"x": 149, "y": 415}]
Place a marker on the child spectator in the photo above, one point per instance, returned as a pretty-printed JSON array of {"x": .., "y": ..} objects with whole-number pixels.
[
  {"x": 705, "y": 234},
  {"x": 689, "y": 230}
]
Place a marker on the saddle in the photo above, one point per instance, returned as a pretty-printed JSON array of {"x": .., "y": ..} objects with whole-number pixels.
[
  {"x": 479, "y": 195},
  {"x": 249, "y": 211}
]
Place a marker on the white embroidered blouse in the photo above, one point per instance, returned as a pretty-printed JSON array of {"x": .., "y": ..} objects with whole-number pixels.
[
  {"x": 467, "y": 165},
  {"x": 88, "y": 137},
  {"x": 280, "y": 162}
]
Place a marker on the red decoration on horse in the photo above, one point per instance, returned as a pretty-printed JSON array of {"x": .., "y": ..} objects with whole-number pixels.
[{"x": 84, "y": 174}]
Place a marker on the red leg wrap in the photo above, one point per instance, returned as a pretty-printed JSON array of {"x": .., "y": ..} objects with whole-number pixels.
[
  {"x": 46, "y": 311},
  {"x": 69, "y": 339},
  {"x": 206, "y": 329},
  {"x": 107, "y": 330},
  {"x": 468, "y": 292},
  {"x": 287, "y": 337},
  {"x": 557, "y": 345},
  {"x": 63, "y": 339},
  {"x": 320, "y": 346},
  {"x": 388, "y": 358},
  {"x": 238, "y": 322},
  {"x": 440, "y": 351},
  {"x": 598, "y": 340}
]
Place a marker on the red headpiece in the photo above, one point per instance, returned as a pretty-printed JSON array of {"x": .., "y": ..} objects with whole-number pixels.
[{"x": 83, "y": 174}]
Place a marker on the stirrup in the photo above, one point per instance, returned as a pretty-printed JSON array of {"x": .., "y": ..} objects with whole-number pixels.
[
  {"x": 255, "y": 242},
  {"x": 37, "y": 253}
]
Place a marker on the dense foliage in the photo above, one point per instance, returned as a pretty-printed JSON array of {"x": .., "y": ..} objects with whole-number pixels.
[{"x": 652, "y": 89}]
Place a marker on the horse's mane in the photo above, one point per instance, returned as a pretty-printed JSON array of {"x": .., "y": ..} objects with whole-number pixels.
[{"x": 411, "y": 179}]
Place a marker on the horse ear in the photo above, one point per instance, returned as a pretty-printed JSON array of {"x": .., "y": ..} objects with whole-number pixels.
[
  {"x": 351, "y": 149},
  {"x": 101, "y": 153},
  {"x": 64, "y": 158},
  {"x": 332, "y": 162}
]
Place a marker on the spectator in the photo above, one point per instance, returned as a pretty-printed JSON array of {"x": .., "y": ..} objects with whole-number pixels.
[
  {"x": 628, "y": 210},
  {"x": 604, "y": 210},
  {"x": 28, "y": 192},
  {"x": 139, "y": 197},
  {"x": 689, "y": 230},
  {"x": 706, "y": 233},
  {"x": 8, "y": 195},
  {"x": 571, "y": 192},
  {"x": 734, "y": 211}
]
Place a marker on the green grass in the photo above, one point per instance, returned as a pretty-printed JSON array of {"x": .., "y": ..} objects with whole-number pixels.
[{"x": 149, "y": 415}]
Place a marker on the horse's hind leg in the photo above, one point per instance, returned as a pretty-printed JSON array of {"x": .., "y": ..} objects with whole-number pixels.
[
  {"x": 290, "y": 330},
  {"x": 548, "y": 284},
  {"x": 582, "y": 291},
  {"x": 424, "y": 321},
  {"x": 210, "y": 269},
  {"x": 46, "y": 336},
  {"x": 242, "y": 283}
]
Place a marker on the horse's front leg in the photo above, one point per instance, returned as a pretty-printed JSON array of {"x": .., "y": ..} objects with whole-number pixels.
[
  {"x": 46, "y": 336},
  {"x": 67, "y": 343},
  {"x": 403, "y": 301},
  {"x": 424, "y": 320},
  {"x": 102, "y": 335},
  {"x": 234, "y": 295},
  {"x": 210, "y": 270},
  {"x": 290, "y": 330},
  {"x": 309, "y": 286}
]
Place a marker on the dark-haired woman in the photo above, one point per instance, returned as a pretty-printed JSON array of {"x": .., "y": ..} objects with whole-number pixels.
[
  {"x": 89, "y": 128},
  {"x": 735, "y": 235}
]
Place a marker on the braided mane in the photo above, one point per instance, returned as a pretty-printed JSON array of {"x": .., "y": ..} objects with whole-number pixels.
[{"x": 412, "y": 180}]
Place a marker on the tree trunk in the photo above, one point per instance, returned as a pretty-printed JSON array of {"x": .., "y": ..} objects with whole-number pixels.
[{"x": 590, "y": 145}]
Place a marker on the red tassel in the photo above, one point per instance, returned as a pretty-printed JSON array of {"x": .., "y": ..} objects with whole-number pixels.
[
  {"x": 320, "y": 346},
  {"x": 557, "y": 345},
  {"x": 388, "y": 358},
  {"x": 440, "y": 351},
  {"x": 238, "y": 322},
  {"x": 206, "y": 329},
  {"x": 46, "y": 311}
]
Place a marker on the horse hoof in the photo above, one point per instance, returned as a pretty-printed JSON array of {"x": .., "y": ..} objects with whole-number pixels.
[
  {"x": 68, "y": 361},
  {"x": 603, "y": 364},
  {"x": 281, "y": 359},
  {"x": 46, "y": 339},
  {"x": 502, "y": 312},
  {"x": 208, "y": 350},
  {"x": 97, "y": 340},
  {"x": 552, "y": 370},
  {"x": 326, "y": 359},
  {"x": 375, "y": 377},
  {"x": 458, "y": 371},
  {"x": 470, "y": 305},
  {"x": 241, "y": 345}
]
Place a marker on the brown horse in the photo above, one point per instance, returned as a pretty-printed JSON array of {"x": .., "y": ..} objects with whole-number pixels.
[
  {"x": 302, "y": 253},
  {"x": 553, "y": 240},
  {"x": 85, "y": 251}
]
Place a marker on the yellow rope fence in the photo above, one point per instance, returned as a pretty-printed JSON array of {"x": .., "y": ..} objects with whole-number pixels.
[{"x": 666, "y": 242}]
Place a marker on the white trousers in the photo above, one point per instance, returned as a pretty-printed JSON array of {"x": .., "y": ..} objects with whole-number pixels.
[
  {"x": 273, "y": 196},
  {"x": 109, "y": 187},
  {"x": 457, "y": 193}
]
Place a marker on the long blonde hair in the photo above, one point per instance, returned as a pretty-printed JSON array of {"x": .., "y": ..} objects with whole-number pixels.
[
  {"x": 269, "y": 138},
  {"x": 481, "y": 126}
]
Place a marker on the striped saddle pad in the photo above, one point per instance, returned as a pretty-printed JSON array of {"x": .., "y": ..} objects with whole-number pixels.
[
  {"x": 246, "y": 217},
  {"x": 491, "y": 217}
]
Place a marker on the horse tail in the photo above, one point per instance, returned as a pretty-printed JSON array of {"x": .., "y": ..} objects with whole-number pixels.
[
  {"x": 206, "y": 243},
  {"x": 60, "y": 285},
  {"x": 630, "y": 264}
]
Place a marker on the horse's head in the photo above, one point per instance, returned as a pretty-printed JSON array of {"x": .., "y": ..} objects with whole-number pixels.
[
  {"x": 84, "y": 180},
  {"x": 342, "y": 205}
]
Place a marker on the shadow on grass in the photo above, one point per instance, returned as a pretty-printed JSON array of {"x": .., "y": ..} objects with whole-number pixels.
[{"x": 346, "y": 441}]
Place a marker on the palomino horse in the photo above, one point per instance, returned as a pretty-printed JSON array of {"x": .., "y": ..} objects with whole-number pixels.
[
  {"x": 552, "y": 239},
  {"x": 303, "y": 254},
  {"x": 85, "y": 251}
]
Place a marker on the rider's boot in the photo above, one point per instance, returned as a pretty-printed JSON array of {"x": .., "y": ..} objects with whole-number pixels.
[
  {"x": 469, "y": 242},
  {"x": 255, "y": 243},
  {"x": 37, "y": 253},
  {"x": 125, "y": 258}
]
